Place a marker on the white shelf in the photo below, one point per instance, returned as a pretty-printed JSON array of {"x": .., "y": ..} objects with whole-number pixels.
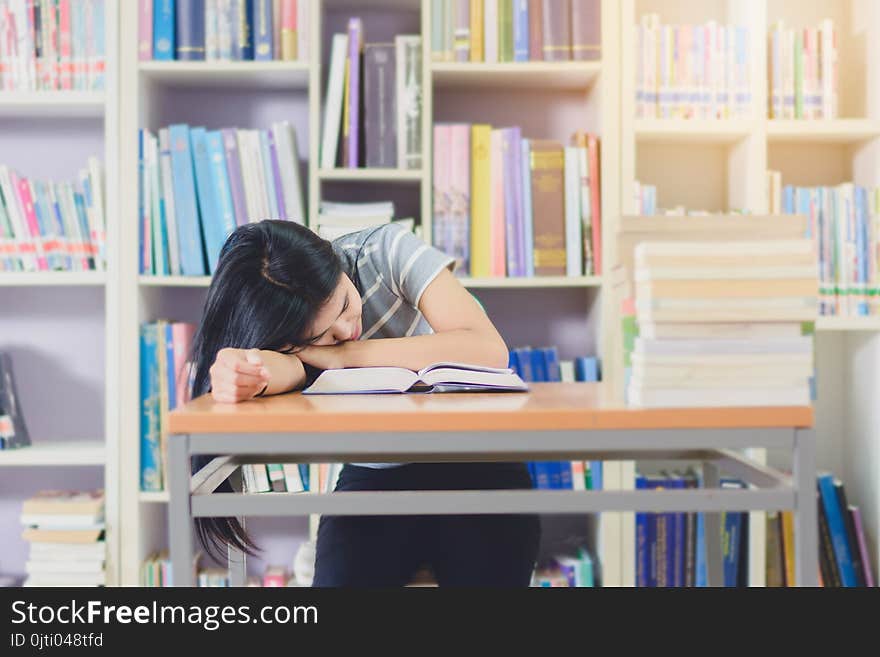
[
  {"x": 174, "y": 281},
  {"x": 53, "y": 279},
  {"x": 52, "y": 104},
  {"x": 535, "y": 282},
  {"x": 403, "y": 176},
  {"x": 848, "y": 323},
  {"x": 160, "y": 497},
  {"x": 251, "y": 75},
  {"x": 720, "y": 131},
  {"x": 840, "y": 131},
  {"x": 62, "y": 453},
  {"x": 515, "y": 75}
]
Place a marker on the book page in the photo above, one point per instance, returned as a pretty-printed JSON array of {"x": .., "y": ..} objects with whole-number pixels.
[
  {"x": 363, "y": 379},
  {"x": 447, "y": 377},
  {"x": 463, "y": 367}
]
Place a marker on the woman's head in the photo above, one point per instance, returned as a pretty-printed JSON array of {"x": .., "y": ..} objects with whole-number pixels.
[{"x": 277, "y": 286}]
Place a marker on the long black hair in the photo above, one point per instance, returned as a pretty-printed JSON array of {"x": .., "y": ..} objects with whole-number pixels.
[{"x": 270, "y": 281}]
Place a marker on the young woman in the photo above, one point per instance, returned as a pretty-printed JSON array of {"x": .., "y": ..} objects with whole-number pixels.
[{"x": 285, "y": 304}]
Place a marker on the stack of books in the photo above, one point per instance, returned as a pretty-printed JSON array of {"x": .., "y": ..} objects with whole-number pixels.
[
  {"x": 843, "y": 224},
  {"x": 224, "y": 30},
  {"x": 373, "y": 107},
  {"x": 165, "y": 383},
  {"x": 720, "y": 324},
  {"x": 289, "y": 477},
  {"x": 671, "y": 547},
  {"x": 197, "y": 185},
  {"x": 692, "y": 71},
  {"x": 509, "y": 206},
  {"x": 65, "y": 530},
  {"x": 338, "y": 219},
  {"x": 52, "y": 45},
  {"x": 47, "y": 226},
  {"x": 516, "y": 30},
  {"x": 803, "y": 72},
  {"x": 156, "y": 571},
  {"x": 13, "y": 430}
]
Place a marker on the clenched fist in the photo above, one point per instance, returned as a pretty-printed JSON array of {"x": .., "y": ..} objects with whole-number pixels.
[{"x": 238, "y": 375}]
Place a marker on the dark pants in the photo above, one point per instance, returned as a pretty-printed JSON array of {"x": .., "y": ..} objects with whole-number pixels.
[{"x": 462, "y": 550}]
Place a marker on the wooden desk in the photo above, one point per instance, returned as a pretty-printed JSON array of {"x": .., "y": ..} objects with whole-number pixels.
[{"x": 555, "y": 421}]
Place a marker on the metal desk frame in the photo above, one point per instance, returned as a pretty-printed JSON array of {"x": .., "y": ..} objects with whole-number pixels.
[{"x": 192, "y": 495}]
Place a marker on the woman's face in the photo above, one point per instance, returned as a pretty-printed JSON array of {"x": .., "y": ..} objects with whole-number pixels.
[{"x": 338, "y": 320}]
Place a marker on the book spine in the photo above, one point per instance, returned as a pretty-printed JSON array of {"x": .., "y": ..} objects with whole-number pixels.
[
  {"x": 437, "y": 41},
  {"x": 164, "y": 46},
  {"x": 510, "y": 143},
  {"x": 481, "y": 193},
  {"x": 190, "y": 30},
  {"x": 586, "y": 30},
  {"x": 290, "y": 29},
  {"x": 851, "y": 538},
  {"x": 276, "y": 480},
  {"x": 262, "y": 23},
  {"x": 27, "y": 206},
  {"x": 186, "y": 210},
  {"x": 497, "y": 213},
  {"x": 333, "y": 103},
  {"x": 303, "y": 40},
  {"x": 593, "y": 146},
  {"x": 181, "y": 338},
  {"x": 643, "y": 541},
  {"x": 288, "y": 160},
  {"x": 459, "y": 198},
  {"x": 557, "y": 30},
  {"x": 528, "y": 215},
  {"x": 521, "y": 30},
  {"x": 269, "y": 188},
  {"x": 157, "y": 209},
  {"x": 168, "y": 200},
  {"x": 441, "y": 192},
  {"x": 222, "y": 186},
  {"x": 150, "y": 467},
  {"x": 863, "y": 546},
  {"x": 408, "y": 58},
  {"x": 490, "y": 31},
  {"x": 461, "y": 36},
  {"x": 519, "y": 212},
  {"x": 505, "y": 30},
  {"x": 476, "y": 31},
  {"x": 242, "y": 31},
  {"x": 355, "y": 45},
  {"x": 233, "y": 173},
  {"x": 838, "y": 531},
  {"x": 277, "y": 183},
  {"x": 536, "y": 30},
  {"x": 380, "y": 118},
  {"x": 827, "y": 564},
  {"x": 547, "y": 164},
  {"x": 573, "y": 238}
]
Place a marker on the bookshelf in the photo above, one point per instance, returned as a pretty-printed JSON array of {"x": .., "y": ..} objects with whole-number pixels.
[
  {"x": 64, "y": 324},
  {"x": 729, "y": 159}
]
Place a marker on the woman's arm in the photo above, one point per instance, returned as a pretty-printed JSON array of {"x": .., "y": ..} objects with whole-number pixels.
[
  {"x": 462, "y": 333},
  {"x": 242, "y": 374}
]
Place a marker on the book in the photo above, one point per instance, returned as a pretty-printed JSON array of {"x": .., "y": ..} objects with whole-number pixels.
[
  {"x": 189, "y": 30},
  {"x": 837, "y": 529},
  {"x": 380, "y": 113},
  {"x": 586, "y": 29},
  {"x": 333, "y": 101},
  {"x": 438, "y": 377},
  {"x": 13, "y": 431},
  {"x": 65, "y": 502},
  {"x": 408, "y": 77},
  {"x": 351, "y": 137},
  {"x": 556, "y": 28}
]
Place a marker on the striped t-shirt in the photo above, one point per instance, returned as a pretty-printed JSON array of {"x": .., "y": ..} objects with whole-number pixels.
[{"x": 391, "y": 268}]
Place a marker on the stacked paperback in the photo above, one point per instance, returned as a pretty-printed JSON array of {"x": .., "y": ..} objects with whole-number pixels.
[
  {"x": 165, "y": 382},
  {"x": 223, "y": 30},
  {"x": 803, "y": 72},
  {"x": 566, "y": 571},
  {"x": 47, "y": 226},
  {"x": 515, "y": 30},
  {"x": 509, "y": 206},
  {"x": 844, "y": 224},
  {"x": 197, "y": 185},
  {"x": 338, "y": 219},
  {"x": 65, "y": 530},
  {"x": 52, "y": 45},
  {"x": 692, "y": 71},
  {"x": 720, "y": 324},
  {"x": 373, "y": 107}
]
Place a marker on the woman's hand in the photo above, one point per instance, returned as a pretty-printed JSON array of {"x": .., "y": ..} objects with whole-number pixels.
[
  {"x": 238, "y": 375},
  {"x": 328, "y": 357}
]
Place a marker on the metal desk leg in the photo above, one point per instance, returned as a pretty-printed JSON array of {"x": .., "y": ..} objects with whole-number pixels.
[
  {"x": 806, "y": 533},
  {"x": 712, "y": 527},
  {"x": 237, "y": 564},
  {"x": 180, "y": 510}
]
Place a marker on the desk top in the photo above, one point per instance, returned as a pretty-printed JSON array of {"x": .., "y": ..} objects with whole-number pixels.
[{"x": 548, "y": 406}]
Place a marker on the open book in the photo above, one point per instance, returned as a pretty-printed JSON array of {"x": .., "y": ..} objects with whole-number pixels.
[{"x": 439, "y": 377}]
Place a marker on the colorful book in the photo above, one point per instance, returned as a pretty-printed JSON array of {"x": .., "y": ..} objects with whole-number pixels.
[
  {"x": 837, "y": 528},
  {"x": 264, "y": 49},
  {"x": 164, "y": 44},
  {"x": 548, "y": 193},
  {"x": 185, "y": 203},
  {"x": 573, "y": 225},
  {"x": 586, "y": 30},
  {"x": 351, "y": 153},
  {"x": 189, "y": 30},
  {"x": 520, "y": 23},
  {"x": 556, "y": 16},
  {"x": 481, "y": 196}
]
